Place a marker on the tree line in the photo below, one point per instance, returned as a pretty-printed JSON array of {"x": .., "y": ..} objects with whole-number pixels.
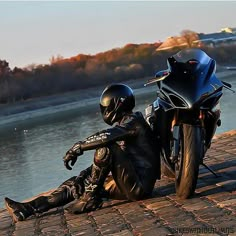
[{"x": 133, "y": 61}]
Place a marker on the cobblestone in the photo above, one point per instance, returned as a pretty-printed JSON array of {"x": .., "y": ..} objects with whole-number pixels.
[{"x": 212, "y": 211}]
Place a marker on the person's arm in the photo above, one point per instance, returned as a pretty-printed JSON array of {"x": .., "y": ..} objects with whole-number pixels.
[
  {"x": 105, "y": 137},
  {"x": 97, "y": 140}
]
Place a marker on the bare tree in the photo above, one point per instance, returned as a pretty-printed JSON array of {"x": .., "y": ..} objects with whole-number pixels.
[
  {"x": 4, "y": 69},
  {"x": 189, "y": 37},
  {"x": 55, "y": 59}
]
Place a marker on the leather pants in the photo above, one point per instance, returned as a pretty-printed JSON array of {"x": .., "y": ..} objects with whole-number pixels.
[{"x": 125, "y": 182}]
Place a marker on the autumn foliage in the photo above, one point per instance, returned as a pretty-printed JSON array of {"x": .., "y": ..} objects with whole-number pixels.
[{"x": 133, "y": 61}]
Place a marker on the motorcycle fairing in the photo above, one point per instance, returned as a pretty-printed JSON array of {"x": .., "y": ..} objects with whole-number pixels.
[{"x": 191, "y": 80}]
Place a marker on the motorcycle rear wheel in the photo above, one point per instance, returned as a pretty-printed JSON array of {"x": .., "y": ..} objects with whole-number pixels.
[{"x": 187, "y": 166}]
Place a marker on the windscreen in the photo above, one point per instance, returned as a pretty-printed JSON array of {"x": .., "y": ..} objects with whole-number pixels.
[
  {"x": 189, "y": 61},
  {"x": 192, "y": 54}
]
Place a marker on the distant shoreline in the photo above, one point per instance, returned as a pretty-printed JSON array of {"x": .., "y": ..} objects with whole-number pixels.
[{"x": 81, "y": 99}]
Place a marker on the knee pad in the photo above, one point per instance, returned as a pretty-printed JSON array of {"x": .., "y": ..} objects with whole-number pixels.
[{"x": 102, "y": 157}]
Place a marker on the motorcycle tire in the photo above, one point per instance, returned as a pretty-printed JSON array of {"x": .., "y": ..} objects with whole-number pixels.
[{"x": 191, "y": 151}]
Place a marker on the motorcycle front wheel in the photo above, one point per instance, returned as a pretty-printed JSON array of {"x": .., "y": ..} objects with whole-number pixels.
[{"x": 190, "y": 155}]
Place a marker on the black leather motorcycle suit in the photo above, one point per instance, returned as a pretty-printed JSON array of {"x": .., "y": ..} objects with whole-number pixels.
[
  {"x": 133, "y": 161},
  {"x": 135, "y": 164}
]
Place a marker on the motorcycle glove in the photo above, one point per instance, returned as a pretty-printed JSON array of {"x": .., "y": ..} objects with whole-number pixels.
[{"x": 71, "y": 155}]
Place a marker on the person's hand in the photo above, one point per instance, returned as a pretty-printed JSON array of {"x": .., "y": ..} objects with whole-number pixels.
[
  {"x": 71, "y": 156},
  {"x": 69, "y": 159}
]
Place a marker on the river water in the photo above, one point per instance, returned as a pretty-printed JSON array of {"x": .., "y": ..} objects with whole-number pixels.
[{"x": 31, "y": 152}]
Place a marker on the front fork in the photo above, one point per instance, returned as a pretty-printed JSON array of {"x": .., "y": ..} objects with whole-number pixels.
[
  {"x": 176, "y": 143},
  {"x": 176, "y": 127}
]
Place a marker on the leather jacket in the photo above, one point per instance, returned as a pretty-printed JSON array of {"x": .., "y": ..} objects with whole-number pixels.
[{"x": 135, "y": 138}]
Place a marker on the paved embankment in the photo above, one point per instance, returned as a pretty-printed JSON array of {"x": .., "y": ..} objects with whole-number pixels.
[{"x": 212, "y": 211}]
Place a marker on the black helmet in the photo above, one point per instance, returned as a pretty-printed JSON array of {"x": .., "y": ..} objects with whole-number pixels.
[{"x": 115, "y": 101}]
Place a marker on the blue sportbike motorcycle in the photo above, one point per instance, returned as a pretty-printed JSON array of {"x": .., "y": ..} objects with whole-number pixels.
[{"x": 185, "y": 115}]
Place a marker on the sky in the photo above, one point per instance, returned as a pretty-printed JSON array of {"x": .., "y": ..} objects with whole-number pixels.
[{"x": 34, "y": 31}]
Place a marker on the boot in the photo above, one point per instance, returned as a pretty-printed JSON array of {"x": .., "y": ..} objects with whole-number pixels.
[
  {"x": 71, "y": 189},
  {"x": 22, "y": 210},
  {"x": 18, "y": 211},
  {"x": 89, "y": 201},
  {"x": 92, "y": 196}
]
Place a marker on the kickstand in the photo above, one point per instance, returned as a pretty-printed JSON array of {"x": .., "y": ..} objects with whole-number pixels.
[{"x": 212, "y": 171}]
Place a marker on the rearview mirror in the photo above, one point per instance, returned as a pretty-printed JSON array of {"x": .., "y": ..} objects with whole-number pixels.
[{"x": 160, "y": 75}]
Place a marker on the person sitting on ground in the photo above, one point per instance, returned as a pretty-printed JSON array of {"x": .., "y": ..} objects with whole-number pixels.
[{"x": 128, "y": 151}]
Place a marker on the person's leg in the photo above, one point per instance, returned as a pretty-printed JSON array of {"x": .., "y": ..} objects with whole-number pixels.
[
  {"x": 91, "y": 198},
  {"x": 68, "y": 191},
  {"x": 111, "y": 190},
  {"x": 128, "y": 182}
]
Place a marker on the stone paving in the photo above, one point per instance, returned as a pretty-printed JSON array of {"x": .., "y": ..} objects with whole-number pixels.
[{"x": 212, "y": 211}]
